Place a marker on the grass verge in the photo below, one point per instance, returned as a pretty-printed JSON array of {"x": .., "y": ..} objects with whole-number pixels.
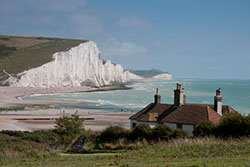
[{"x": 182, "y": 152}]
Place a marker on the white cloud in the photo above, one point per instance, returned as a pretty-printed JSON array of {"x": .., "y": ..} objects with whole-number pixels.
[
  {"x": 133, "y": 21},
  {"x": 114, "y": 47}
]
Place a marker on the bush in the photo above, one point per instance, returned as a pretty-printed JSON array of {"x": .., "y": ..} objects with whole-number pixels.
[
  {"x": 233, "y": 125},
  {"x": 178, "y": 133},
  {"x": 248, "y": 125},
  {"x": 6, "y": 51},
  {"x": 112, "y": 134},
  {"x": 204, "y": 129},
  {"x": 69, "y": 128},
  {"x": 13, "y": 147},
  {"x": 45, "y": 137},
  {"x": 140, "y": 132},
  {"x": 161, "y": 132}
]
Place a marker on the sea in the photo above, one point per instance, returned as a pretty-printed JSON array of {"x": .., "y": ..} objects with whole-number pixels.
[{"x": 235, "y": 93}]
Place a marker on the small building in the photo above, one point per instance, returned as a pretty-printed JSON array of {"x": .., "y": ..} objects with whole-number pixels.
[{"x": 180, "y": 115}]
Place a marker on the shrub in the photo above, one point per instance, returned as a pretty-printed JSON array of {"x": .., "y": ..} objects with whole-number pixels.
[
  {"x": 248, "y": 125},
  {"x": 45, "y": 137},
  {"x": 13, "y": 147},
  {"x": 112, "y": 134},
  {"x": 69, "y": 125},
  {"x": 140, "y": 132},
  {"x": 69, "y": 128},
  {"x": 204, "y": 129},
  {"x": 15, "y": 133},
  {"x": 233, "y": 125},
  {"x": 6, "y": 51},
  {"x": 161, "y": 132},
  {"x": 178, "y": 133}
]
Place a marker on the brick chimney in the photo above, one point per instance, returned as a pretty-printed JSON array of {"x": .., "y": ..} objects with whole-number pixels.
[
  {"x": 157, "y": 97},
  {"x": 218, "y": 102},
  {"x": 179, "y": 96}
]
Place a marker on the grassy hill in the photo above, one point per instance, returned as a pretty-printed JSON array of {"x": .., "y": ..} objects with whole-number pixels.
[
  {"x": 19, "y": 53},
  {"x": 182, "y": 153}
]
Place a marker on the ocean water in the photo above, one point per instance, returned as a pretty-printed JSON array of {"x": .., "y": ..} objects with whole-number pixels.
[{"x": 235, "y": 93}]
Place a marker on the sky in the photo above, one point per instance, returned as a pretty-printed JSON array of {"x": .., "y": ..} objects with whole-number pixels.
[{"x": 188, "y": 38}]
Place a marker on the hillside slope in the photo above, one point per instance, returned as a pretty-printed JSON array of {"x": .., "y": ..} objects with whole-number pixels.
[
  {"x": 20, "y": 53},
  {"x": 52, "y": 62}
]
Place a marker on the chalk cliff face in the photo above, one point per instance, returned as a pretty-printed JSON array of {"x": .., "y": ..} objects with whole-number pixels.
[
  {"x": 164, "y": 76},
  {"x": 76, "y": 67}
]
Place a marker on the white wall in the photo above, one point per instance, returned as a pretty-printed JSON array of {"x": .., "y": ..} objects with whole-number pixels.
[
  {"x": 185, "y": 127},
  {"x": 188, "y": 128},
  {"x": 171, "y": 125}
]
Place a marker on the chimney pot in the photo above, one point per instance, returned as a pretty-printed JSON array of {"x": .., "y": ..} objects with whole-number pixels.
[
  {"x": 218, "y": 102},
  {"x": 179, "y": 96},
  {"x": 157, "y": 97}
]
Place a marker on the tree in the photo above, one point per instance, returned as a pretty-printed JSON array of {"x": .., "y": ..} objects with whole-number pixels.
[
  {"x": 69, "y": 127},
  {"x": 233, "y": 125}
]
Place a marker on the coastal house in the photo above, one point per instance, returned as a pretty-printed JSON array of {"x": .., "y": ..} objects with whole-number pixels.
[{"x": 180, "y": 115}]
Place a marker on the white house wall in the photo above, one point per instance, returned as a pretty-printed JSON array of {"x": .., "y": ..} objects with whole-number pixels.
[
  {"x": 189, "y": 129},
  {"x": 171, "y": 125}
]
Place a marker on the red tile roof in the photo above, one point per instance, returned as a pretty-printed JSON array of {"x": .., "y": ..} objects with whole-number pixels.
[
  {"x": 185, "y": 114},
  {"x": 151, "y": 112}
]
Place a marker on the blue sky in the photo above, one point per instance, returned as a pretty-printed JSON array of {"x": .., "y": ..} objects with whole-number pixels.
[{"x": 188, "y": 38}]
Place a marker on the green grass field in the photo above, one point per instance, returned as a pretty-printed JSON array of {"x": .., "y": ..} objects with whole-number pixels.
[{"x": 183, "y": 152}]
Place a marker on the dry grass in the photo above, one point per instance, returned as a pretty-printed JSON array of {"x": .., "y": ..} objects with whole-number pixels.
[{"x": 182, "y": 153}]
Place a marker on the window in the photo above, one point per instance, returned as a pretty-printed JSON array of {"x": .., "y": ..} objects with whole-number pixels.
[
  {"x": 133, "y": 125},
  {"x": 179, "y": 126}
]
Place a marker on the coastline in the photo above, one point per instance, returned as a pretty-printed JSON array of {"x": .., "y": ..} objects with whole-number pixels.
[{"x": 28, "y": 115}]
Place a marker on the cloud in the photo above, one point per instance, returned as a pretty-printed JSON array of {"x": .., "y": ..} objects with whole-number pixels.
[
  {"x": 114, "y": 47},
  {"x": 61, "y": 18},
  {"x": 133, "y": 21}
]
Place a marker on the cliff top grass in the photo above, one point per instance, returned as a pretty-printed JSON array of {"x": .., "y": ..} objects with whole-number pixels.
[{"x": 20, "y": 53}]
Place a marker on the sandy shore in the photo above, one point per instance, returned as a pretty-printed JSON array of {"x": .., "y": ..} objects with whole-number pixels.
[{"x": 36, "y": 119}]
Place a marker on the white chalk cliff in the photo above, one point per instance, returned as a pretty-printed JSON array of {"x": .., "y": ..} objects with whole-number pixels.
[
  {"x": 165, "y": 76},
  {"x": 81, "y": 65}
]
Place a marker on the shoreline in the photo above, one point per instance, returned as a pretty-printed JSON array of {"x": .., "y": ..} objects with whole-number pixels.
[
  {"x": 11, "y": 96},
  {"x": 29, "y": 115}
]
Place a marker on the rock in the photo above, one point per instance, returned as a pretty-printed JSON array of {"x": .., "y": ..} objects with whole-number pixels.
[{"x": 81, "y": 65}]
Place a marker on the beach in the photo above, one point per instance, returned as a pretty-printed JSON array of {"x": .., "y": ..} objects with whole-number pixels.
[{"x": 30, "y": 115}]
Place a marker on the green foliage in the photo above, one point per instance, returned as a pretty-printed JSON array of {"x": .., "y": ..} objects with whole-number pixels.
[
  {"x": 45, "y": 137},
  {"x": 194, "y": 152},
  {"x": 233, "y": 125},
  {"x": 204, "y": 129},
  {"x": 6, "y": 51},
  {"x": 112, "y": 134},
  {"x": 161, "y": 132},
  {"x": 142, "y": 131},
  {"x": 69, "y": 127},
  {"x": 13, "y": 147},
  {"x": 178, "y": 133}
]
